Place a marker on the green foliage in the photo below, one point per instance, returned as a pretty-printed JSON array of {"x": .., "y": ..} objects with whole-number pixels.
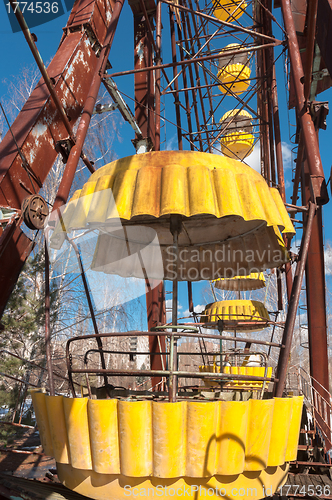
[
  {"x": 23, "y": 322},
  {"x": 24, "y": 313}
]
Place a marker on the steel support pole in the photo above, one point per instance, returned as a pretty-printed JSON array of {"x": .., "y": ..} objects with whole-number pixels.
[
  {"x": 310, "y": 46},
  {"x": 293, "y": 305},
  {"x": 75, "y": 152},
  {"x": 269, "y": 65},
  {"x": 316, "y": 306},
  {"x": 91, "y": 310},
  {"x": 158, "y": 79},
  {"x": 280, "y": 165},
  {"x": 48, "y": 349},
  {"x": 176, "y": 83},
  {"x": 144, "y": 82},
  {"x": 186, "y": 92},
  {"x": 318, "y": 185},
  {"x": 145, "y": 92}
]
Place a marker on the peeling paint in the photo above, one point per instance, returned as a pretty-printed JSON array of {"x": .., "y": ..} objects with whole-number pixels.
[
  {"x": 108, "y": 15},
  {"x": 38, "y": 130},
  {"x": 140, "y": 51}
]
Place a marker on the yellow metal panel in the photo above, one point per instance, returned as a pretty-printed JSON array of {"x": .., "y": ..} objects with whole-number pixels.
[
  {"x": 280, "y": 430},
  {"x": 214, "y": 438},
  {"x": 201, "y": 193},
  {"x": 294, "y": 429},
  {"x": 169, "y": 439},
  {"x": 57, "y": 423},
  {"x": 147, "y": 191},
  {"x": 229, "y": 200},
  {"x": 39, "y": 404},
  {"x": 123, "y": 195},
  {"x": 76, "y": 416},
  {"x": 202, "y": 421},
  {"x": 251, "y": 485},
  {"x": 288, "y": 226},
  {"x": 259, "y": 434},
  {"x": 135, "y": 437},
  {"x": 231, "y": 437},
  {"x": 103, "y": 429},
  {"x": 174, "y": 180}
]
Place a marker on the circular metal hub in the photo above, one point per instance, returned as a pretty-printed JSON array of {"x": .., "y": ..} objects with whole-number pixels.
[{"x": 34, "y": 211}]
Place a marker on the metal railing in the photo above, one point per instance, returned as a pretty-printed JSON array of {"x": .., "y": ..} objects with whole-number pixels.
[{"x": 170, "y": 372}]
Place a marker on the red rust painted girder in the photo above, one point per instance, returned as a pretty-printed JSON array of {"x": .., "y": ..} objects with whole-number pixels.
[
  {"x": 318, "y": 184},
  {"x": 38, "y": 127}
]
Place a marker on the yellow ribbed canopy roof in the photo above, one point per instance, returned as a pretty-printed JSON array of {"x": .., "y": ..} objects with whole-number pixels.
[
  {"x": 231, "y": 311},
  {"x": 222, "y": 203},
  {"x": 253, "y": 281}
]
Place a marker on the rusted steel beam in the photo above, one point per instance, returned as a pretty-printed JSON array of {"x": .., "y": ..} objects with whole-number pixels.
[
  {"x": 310, "y": 46},
  {"x": 186, "y": 92},
  {"x": 316, "y": 306},
  {"x": 176, "y": 83},
  {"x": 38, "y": 128},
  {"x": 158, "y": 76},
  {"x": 260, "y": 76},
  {"x": 193, "y": 60},
  {"x": 277, "y": 134},
  {"x": 137, "y": 333},
  {"x": 188, "y": 34},
  {"x": 149, "y": 123},
  {"x": 293, "y": 305},
  {"x": 207, "y": 43},
  {"x": 319, "y": 191},
  {"x": 223, "y": 23},
  {"x": 90, "y": 101},
  {"x": 144, "y": 82},
  {"x": 43, "y": 70}
]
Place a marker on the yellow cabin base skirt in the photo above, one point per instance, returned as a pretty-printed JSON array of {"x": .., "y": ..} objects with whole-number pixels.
[{"x": 252, "y": 485}]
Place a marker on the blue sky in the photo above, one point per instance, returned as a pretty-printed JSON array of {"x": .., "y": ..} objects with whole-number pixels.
[{"x": 15, "y": 56}]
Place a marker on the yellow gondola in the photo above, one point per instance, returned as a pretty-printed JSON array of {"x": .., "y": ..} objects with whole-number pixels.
[
  {"x": 234, "y": 71},
  {"x": 238, "y": 141},
  {"x": 113, "y": 448},
  {"x": 252, "y": 281},
  {"x": 240, "y": 315}
]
